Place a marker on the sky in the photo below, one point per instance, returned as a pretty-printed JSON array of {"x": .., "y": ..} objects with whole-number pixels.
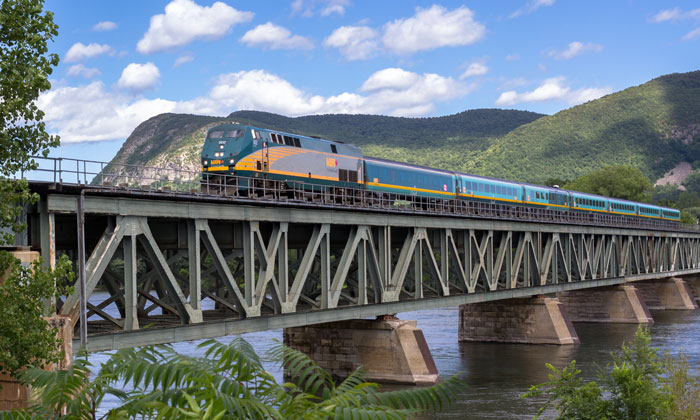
[{"x": 122, "y": 62}]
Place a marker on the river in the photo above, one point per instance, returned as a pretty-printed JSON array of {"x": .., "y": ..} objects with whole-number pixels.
[{"x": 496, "y": 375}]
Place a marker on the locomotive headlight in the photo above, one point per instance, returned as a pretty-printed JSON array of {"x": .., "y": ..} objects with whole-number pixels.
[
  {"x": 206, "y": 163},
  {"x": 231, "y": 161}
]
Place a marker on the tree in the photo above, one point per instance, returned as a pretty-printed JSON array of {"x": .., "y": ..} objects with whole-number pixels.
[
  {"x": 666, "y": 195},
  {"x": 639, "y": 384},
  {"x": 692, "y": 182},
  {"x": 626, "y": 182},
  {"x": 25, "y": 66},
  {"x": 227, "y": 382}
]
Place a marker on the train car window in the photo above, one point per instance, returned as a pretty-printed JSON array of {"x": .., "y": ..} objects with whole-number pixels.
[
  {"x": 256, "y": 134},
  {"x": 297, "y": 143},
  {"x": 468, "y": 185},
  {"x": 333, "y": 148},
  {"x": 498, "y": 189},
  {"x": 342, "y": 175},
  {"x": 352, "y": 176},
  {"x": 481, "y": 187},
  {"x": 288, "y": 141},
  {"x": 215, "y": 134}
]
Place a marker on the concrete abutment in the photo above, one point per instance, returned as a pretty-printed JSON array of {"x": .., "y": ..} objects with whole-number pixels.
[{"x": 389, "y": 351}]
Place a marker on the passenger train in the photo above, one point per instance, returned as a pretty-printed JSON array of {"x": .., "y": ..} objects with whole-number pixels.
[{"x": 236, "y": 149}]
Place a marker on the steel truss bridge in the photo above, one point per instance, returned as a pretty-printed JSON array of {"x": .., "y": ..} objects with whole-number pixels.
[{"x": 179, "y": 264}]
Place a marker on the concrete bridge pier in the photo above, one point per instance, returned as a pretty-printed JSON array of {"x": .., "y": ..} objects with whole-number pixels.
[
  {"x": 693, "y": 283},
  {"x": 536, "y": 320},
  {"x": 614, "y": 304},
  {"x": 388, "y": 350},
  {"x": 673, "y": 293}
]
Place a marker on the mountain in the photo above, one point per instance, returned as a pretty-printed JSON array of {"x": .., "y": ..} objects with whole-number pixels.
[
  {"x": 174, "y": 140},
  {"x": 654, "y": 126}
]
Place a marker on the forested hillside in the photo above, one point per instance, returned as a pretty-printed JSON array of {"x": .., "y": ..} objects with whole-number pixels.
[{"x": 653, "y": 126}]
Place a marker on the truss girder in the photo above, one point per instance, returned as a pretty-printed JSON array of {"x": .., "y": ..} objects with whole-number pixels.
[{"x": 282, "y": 267}]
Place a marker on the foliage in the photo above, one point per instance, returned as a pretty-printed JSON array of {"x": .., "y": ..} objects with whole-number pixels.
[
  {"x": 692, "y": 182},
  {"x": 25, "y": 338},
  {"x": 638, "y": 384},
  {"x": 227, "y": 382},
  {"x": 665, "y": 195},
  {"x": 624, "y": 182},
  {"x": 25, "y": 66}
]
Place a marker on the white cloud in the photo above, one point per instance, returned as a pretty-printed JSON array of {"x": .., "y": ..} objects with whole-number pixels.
[
  {"x": 692, "y": 34},
  {"x": 275, "y": 37},
  {"x": 554, "y": 89},
  {"x": 512, "y": 57},
  {"x": 475, "y": 69},
  {"x": 185, "y": 58},
  {"x": 105, "y": 26},
  {"x": 91, "y": 113},
  {"x": 575, "y": 48},
  {"x": 354, "y": 42},
  {"x": 80, "y": 51},
  {"x": 80, "y": 70},
  {"x": 185, "y": 21},
  {"x": 432, "y": 28},
  {"x": 138, "y": 77},
  {"x": 530, "y": 7},
  {"x": 327, "y": 7},
  {"x": 675, "y": 14}
]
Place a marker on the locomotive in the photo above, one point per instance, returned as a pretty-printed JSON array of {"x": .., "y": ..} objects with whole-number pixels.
[{"x": 253, "y": 153}]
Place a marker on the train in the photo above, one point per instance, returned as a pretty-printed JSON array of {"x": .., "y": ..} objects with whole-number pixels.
[{"x": 254, "y": 153}]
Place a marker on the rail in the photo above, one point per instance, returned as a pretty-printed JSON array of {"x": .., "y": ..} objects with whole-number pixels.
[{"x": 110, "y": 177}]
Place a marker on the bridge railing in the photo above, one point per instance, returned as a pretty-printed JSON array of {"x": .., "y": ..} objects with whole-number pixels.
[{"x": 173, "y": 180}]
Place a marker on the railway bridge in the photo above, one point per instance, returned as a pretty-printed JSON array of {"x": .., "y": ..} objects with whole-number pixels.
[{"x": 163, "y": 259}]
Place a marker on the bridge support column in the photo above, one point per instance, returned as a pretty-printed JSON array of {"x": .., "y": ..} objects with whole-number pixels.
[
  {"x": 537, "y": 320},
  {"x": 615, "y": 304},
  {"x": 693, "y": 283},
  {"x": 673, "y": 293},
  {"x": 389, "y": 351}
]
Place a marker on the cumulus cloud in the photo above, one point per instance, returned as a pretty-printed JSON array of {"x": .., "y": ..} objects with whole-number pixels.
[
  {"x": 105, "y": 26},
  {"x": 432, "y": 28},
  {"x": 554, "y": 89},
  {"x": 512, "y": 57},
  {"x": 91, "y": 113},
  {"x": 275, "y": 37},
  {"x": 324, "y": 7},
  {"x": 354, "y": 42},
  {"x": 575, "y": 48},
  {"x": 675, "y": 14},
  {"x": 530, "y": 7},
  {"x": 185, "y": 21},
  {"x": 185, "y": 58},
  {"x": 475, "y": 69},
  {"x": 80, "y": 70},
  {"x": 138, "y": 77},
  {"x": 80, "y": 51}
]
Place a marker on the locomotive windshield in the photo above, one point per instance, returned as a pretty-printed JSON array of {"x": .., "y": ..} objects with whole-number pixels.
[{"x": 218, "y": 134}]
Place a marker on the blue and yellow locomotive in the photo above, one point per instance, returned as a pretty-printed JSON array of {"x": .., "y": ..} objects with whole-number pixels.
[{"x": 253, "y": 153}]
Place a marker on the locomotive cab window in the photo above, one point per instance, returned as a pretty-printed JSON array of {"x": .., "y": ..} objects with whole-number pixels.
[
  {"x": 333, "y": 148},
  {"x": 234, "y": 134},
  {"x": 216, "y": 134}
]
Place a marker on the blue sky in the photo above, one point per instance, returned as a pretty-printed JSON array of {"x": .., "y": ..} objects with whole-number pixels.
[{"x": 124, "y": 62}]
